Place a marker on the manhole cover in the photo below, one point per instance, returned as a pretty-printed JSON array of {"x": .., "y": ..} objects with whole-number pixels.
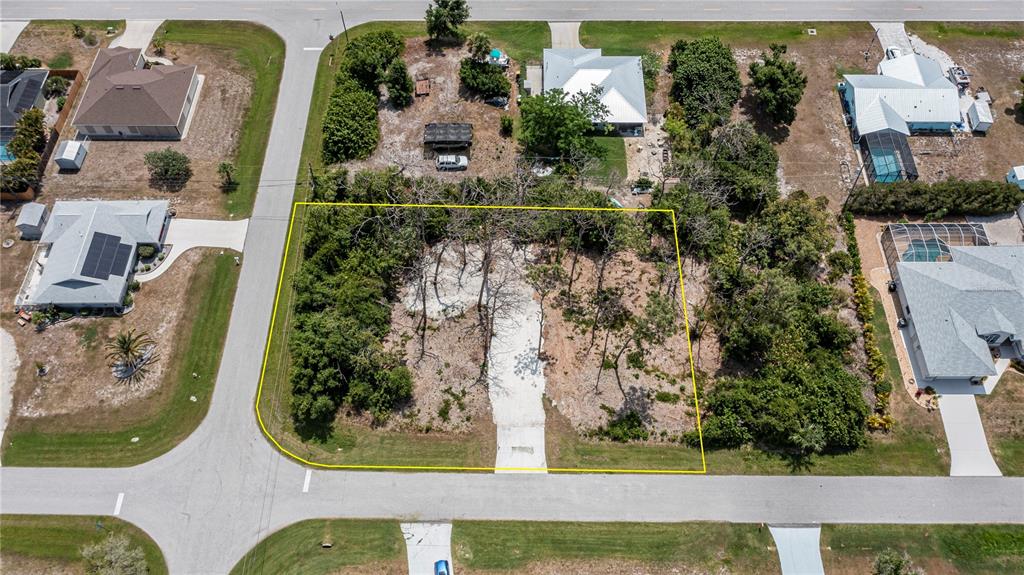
[
  {"x": 8, "y": 243},
  {"x": 812, "y": 31}
]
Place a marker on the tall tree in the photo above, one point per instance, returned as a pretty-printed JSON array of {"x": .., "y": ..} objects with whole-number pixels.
[
  {"x": 705, "y": 80},
  {"x": 479, "y": 46},
  {"x": 399, "y": 83},
  {"x": 778, "y": 85},
  {"x": 444, "y": 18},
  {"x": 558, "y": 126}
]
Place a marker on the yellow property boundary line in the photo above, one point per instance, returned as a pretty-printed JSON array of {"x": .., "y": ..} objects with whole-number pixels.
[{"x": 686, "y": 322}]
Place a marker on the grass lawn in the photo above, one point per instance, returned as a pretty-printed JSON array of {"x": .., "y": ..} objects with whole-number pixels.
[
  {"x": 57, "y": 539},
  {"x": 197, "y": 351},
  {"x": 633, "y": 38},
  {"x": 1002, "y": 414},
  {"x": 296, "y": 549},
  {"x": 614, "y": 161},
  {"x": 964, "y": 549},
  {"x": 261, "y": 53},
  {"x": 690, "y": 547},
  {"x": 60, "y": 61},
  {"x": 960, "y": 30}
]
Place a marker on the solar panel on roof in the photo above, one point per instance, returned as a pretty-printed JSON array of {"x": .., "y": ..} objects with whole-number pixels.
[
  {"x": 100, "y": 259},
  {"x": 124, "y": 251}
]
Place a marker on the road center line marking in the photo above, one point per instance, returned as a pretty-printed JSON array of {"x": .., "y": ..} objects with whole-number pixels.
[
  {"x": 911, "y": 9},
  {"x": 712, "y": 9},
  {"x": 117, "y": 506},
  {"x": 305, "y": 483}
]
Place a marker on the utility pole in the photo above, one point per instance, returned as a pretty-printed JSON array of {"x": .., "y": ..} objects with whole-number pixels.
[{"x": 343, "y": 25}]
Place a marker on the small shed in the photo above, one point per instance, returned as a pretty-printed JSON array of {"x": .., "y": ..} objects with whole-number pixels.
[
  {"x": 980, "y": 115},
  {"x": 452, "y": 135},
  {"x": 1016, "y": 176},
  {"x": 70, "y": 155},
  {"x": 31, "y": 221}
]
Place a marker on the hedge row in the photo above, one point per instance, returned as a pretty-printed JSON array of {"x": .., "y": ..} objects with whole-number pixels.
[
  {"x": 949, "y": 198},
  {"x": 881, "y": 419}
]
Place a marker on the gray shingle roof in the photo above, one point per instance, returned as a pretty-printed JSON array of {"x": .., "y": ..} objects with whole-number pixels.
[
  {"x": 19, "y": 90},
  {"x": 954, "y": 304},
  {"x": 120, "y": 94},
  {"x": 70, "y": 231},
  {"x": 620, "y": 78}
]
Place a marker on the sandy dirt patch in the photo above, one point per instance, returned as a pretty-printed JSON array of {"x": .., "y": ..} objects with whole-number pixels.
[
  {"x": 47, "y": 41},
  {"x": 115, "y": 170},
  {"x": 612, "y": 567},
  {"x": 401, "y": 131},
  {"x": 577, "y": 384},
  {"x": 20, "y": 565}
]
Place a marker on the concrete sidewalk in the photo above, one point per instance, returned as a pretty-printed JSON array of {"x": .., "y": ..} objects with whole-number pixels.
[
  {"x": 565, "y": 34},
  {"x": 425, "y": 544},
  {"x": 799, "y": 549},
  {"x": 184, "y": 234},
  {"x": 137, "y": 34},
  {"x": 968, "y": 449}
]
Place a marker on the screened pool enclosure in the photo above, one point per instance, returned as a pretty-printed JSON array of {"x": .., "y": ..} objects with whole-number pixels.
[
  {"x": 927, "y": 242},
  {"x": 887, "y": 157}
]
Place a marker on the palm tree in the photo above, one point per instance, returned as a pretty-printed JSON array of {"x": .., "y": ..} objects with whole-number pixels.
[{"x": 129, "y": 354}]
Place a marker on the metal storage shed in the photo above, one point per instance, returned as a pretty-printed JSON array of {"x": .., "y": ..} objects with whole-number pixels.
[
  {"x": 980, "y": 116},
  {"x": 448, "y": 135},
  {"x": 31, "y": 221},
  {"x": 70, "y": 155}
]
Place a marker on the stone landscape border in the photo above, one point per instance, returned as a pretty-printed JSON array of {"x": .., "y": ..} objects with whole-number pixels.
[{"x": 686, "y": 322}]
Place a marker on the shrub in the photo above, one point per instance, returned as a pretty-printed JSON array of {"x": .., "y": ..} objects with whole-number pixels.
[
  {"x": 479, "y": 46},
  {"x": 19, "y": 62},
  {"x": 368, "y": 57},
  {"x": 77, "y": 31},
  {"x": 350, "y": 125},
  {"x": 626, "y": 427},
  {"x": 400, "y": 85},
  {"x": 484, "y": 79},
  {"x": 778, "y": 85},
  {"x": 667, "y": 397},
  {"x": 114, "y": 555},
  {"x": 650, "y": 64},
  {"x": 90, "y": 39},
  {"x": 169, "y": 170},
  {"x": 948, "y": 198},
  {"x": 29, "y": 134},
  {"x": 159, "y": 46},
  {"x": 20, "y": 175},
  {"x": 134, "y": 286},
  {"x": 507, "y": 126},
  {"x": 146, "y": 251},
  {"x": 61, "y": 101},
  {"x": 226, "y": 171},
  {"x": 705, "y": 79},
  {"x": 129, "y": 299}
]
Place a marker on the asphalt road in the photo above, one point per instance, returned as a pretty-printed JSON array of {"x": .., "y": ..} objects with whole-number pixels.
[{"x": 224, "y": 488}]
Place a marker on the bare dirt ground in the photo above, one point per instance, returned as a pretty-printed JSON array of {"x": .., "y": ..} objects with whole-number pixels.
[
  {"x": 996, "y": 65},
  {"x": 573, "y": 364},
  {"x": 815, "y": 152},
  {"x": 1003, "y": 411},
  {"x": 399, "y": 567},
  {"x": 401, "y": 131},
  {"x": 79, "y": 380},
  {"x": 614, "y": 567},
  {"x": 46, "y": 41},
  {"x": 115, "y": 170},
  {"x": 445, "y": 377},
  {"x": 20, "y": 565}
]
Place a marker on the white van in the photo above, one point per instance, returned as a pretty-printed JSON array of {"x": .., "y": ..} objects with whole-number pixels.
[{"x": 451, "y": 163}]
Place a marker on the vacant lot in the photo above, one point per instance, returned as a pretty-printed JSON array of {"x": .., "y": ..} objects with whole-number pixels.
[
  {"x": 1002, "y": 413},
  {"x": 51, "y": 544},
  {"x": 53, "y": 42}
]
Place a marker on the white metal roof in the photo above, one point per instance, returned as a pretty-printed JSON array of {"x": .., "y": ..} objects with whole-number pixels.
[
  {"x": 913, "y": 89},
  {"x": 575, "y": 70}
]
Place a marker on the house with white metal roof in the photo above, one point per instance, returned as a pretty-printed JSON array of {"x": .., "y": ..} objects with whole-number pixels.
[
  {"x": 620, "y": 78},
  {"x": 964, "y": 310},
  {"x": 909, "y": 95},
  {"x": 87, "y": 253}
]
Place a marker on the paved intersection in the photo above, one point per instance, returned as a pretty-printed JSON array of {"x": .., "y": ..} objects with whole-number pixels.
[{"x": 210, "y": 499}]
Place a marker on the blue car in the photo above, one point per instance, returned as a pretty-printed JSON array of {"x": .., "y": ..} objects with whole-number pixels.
[{"x": 441, "y": 568}]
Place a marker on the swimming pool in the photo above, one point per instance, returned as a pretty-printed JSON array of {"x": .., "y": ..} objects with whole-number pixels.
[{"x": 5, "y": 156}]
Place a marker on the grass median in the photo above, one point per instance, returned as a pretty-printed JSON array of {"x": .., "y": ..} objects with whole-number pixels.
[
  {"x": 53, "y": 543},
  {"x": 196, "y": 351}
]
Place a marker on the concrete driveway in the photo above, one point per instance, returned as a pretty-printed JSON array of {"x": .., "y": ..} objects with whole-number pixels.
[
  {"x": 9, "y": 32},
  {"x": 968, "y": 448},
  {"x": 565, "y": 34},
  {"x": 799, "y": 548},
  {"x": 184, "y": 234},
  {"x": 426, "y": 543},
  {"x": 137, "y": 34}
]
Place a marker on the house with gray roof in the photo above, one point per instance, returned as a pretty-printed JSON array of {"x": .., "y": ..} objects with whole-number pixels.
[
  {"x": 124, "y": 99},
  {"x": 964, "y": 310},
  {"x": 909, "y": 95},
  {"x": 620, "y": 79},
  {"x": 31, "y": 220},
  {"x": 20, "y": 90},
  {"x": 87, "y": 251}
]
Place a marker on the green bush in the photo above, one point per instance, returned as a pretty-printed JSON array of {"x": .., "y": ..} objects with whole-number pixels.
[
  {"x": 146, "y": 251},
  {"x": 486, "y": 80},
  {"x": 507, "y": 126},
  {"x": 350, "y": 125},
  {"x": 667, "y": 397},
  {"x": 169, "y": 170},
  {"x": 18, "y": 62},
  {"x": 948, "y": 198},
  {"x": 29, "y": 134},
  {"x": 400, "y": 85},
  {"x": 778, "y": 85},
  {"x": 624, "y": 428},
  {"x": 705, "y": 80},
  {"x": 61, "y": 102},
  {"x": 20, "y": 175},
  {"x": 368, "y": 57}
]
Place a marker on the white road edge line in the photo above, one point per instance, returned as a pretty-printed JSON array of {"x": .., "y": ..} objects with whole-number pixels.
[
  {"x": 117, "y": 506},
  {"x": 305, "y": 483},
  {"x": 314, "y": 49}
]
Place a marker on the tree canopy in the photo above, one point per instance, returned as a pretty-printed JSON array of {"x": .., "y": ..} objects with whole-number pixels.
[
  {"x": 778, "y": 85},
  {"x": 554, "y": 125},
  {"x": 444, "y": 17},
  {"x": 705, "y": 80},
  {"x": 169, "y": 169}
]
